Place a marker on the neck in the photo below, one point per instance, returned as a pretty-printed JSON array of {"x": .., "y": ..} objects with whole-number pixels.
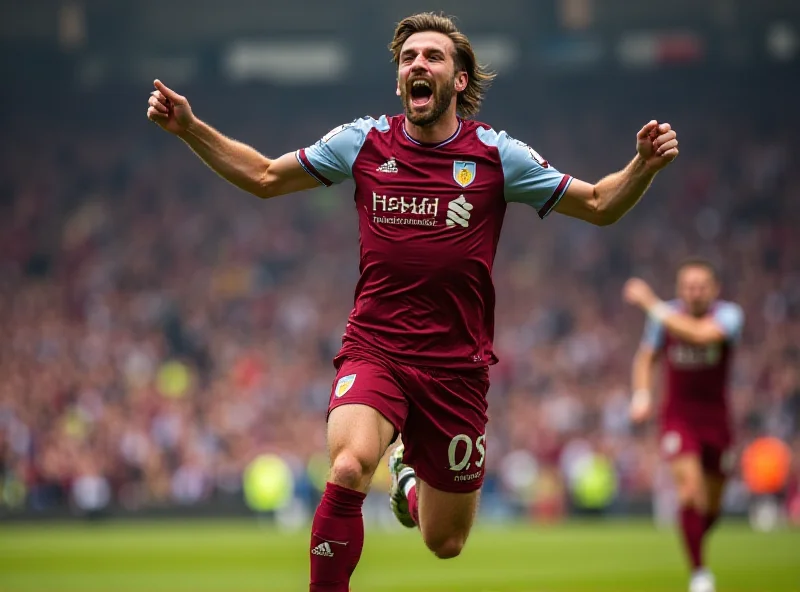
[{"x": 437, "y": 132}]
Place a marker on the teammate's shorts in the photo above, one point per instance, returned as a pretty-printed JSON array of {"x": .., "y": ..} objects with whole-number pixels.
[
  {"x": 713, "y": 449},
  {"x": 441, "y": 415}
]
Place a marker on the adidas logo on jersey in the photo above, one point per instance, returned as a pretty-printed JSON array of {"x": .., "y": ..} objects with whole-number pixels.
[
  {"x": 323, "y": 550},
  {"x": 458, "y": 212},
  {"x": 390, "y": 166}
]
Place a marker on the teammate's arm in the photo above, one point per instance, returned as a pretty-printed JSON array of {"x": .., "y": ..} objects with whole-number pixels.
[
  {"x": 697, "y": 331},
  {"x": 642, "y": 382},
  {"x": 725, "y": 324},
  {"x": 236, "y": 162},
  {"x": 612, "y": 197},
  {"x": 641, "y": 407}
]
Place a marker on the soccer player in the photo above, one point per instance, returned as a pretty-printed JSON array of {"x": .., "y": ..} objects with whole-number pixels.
[
  {"x": 431, "y": 190},
  {"x": 696, "y": 334}
]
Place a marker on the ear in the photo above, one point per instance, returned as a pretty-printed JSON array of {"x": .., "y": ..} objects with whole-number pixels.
[{"x": 461, "y": 81}]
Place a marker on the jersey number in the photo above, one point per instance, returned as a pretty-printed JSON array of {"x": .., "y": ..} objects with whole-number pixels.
[{"x": 464, "y": 464}]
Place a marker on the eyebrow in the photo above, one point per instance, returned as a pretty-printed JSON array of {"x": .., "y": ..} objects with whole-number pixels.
[{"x": 430, "y": 50}]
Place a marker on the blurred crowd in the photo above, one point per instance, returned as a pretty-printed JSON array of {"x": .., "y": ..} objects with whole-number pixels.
[{"x": 161, "y": 328}]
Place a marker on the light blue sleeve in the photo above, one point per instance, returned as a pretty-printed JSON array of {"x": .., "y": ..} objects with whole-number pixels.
[
  {"x": 730, "y": 318},
  {"x": 330, "y": 160},
  {"x": 653, "y": 334},
  {"x": 529, "y": 178}
]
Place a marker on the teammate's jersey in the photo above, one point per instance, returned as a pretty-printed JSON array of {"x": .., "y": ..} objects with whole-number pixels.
[
  {"x": 696, "y": 376},
  {"x": 430, "y": 219}
]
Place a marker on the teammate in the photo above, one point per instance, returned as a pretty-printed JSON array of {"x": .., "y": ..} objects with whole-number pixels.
[
  {"x": 696, "y": 334},
  {"x": 431, "y": 192}
]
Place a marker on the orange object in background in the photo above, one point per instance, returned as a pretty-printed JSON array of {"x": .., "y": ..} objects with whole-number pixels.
[{"x": 765, "y": 465}]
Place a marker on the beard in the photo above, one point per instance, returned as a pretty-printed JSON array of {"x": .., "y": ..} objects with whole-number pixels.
[
  {"x": 429, "y": 114},
  {"x": 699, "y": 308}
]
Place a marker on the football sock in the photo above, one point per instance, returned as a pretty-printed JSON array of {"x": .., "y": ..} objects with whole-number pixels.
[
  {"x": 337, "y": 538},
  {"x": 693, "y": 526}
]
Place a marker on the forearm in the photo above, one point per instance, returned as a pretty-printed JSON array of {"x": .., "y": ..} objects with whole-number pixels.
[
  {"x": 687, "y": 328},
  {"x": 699, "y": 331},
  {"x": 641, "y": 374},
  {"x": 642, "y": 398},
  {"x": 234, "y": 161},
  {"x": 617, "y": 193}
]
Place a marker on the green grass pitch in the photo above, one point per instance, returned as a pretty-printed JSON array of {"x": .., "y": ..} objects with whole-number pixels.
[{"x": 215, "y": 556}]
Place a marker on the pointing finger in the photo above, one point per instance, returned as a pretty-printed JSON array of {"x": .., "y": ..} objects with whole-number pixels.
[{"x": 168, "y": 92}]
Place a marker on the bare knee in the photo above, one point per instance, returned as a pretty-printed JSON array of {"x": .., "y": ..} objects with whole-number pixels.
[
  {"x": 446, "y": 547},
  {"x": 347, "y": 470}
]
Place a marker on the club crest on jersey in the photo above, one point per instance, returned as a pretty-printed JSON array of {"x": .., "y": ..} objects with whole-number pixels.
[
  {"x": 463, "y": 172},
  {"x": 345, "y": 384}
]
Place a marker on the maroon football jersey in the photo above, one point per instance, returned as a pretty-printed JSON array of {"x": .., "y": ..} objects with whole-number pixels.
[
  {"x": 429, "y": 219},
  {"x": 697, "y": 376}
]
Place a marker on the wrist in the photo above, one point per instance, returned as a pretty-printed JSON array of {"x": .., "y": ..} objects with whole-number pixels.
[
  {"x": 641, "y": 397},
  {"x": 191, "y": 129},
  {"x": 658, "y": 310},
  {"x": 643, "y": 166}
]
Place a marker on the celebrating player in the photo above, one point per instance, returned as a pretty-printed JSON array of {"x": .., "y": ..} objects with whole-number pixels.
[
  {"x": 697, "y": 334},
  {"x": 431, "y": 192}
]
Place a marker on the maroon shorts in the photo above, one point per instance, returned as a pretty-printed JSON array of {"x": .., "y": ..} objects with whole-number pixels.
[
  {"x": 441, "y": 415},
  {"x": 678, "y": 439}
]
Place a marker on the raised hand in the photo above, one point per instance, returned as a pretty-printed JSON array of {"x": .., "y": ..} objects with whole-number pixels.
[
  {"x": 657, "y": 144},
  {"x": 169, "y": 109},
  {"x": 638, "y": 293}
]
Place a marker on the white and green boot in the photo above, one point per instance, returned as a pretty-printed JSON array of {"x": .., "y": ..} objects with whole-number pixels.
[{"x": 403, "y": 477}]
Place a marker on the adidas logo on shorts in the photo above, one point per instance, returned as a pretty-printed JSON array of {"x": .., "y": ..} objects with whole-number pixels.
[{"x": 323, "y": 550}]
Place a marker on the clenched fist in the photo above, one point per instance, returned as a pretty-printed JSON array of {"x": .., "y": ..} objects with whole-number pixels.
[
  {"x": 657, "y": 145},
  {"x": 169, "y": 109}
]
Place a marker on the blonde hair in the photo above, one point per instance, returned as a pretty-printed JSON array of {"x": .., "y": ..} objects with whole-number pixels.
[{"x": 479, "y": 78}]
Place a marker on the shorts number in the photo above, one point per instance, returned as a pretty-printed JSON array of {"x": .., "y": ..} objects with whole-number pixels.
[{"x": 480, "y": 444}]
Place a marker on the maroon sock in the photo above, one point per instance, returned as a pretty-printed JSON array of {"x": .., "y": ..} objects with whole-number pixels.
[
  {"x": 337, "y": 537},
  {"x": 693, "y": 525},
  {"x": 711, "y": 520},
  {"x": 413, "y": 505}
]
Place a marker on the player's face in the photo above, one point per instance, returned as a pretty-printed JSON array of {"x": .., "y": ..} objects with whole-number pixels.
[
  {"x": 426, "y": 79},
  {"x": 697, "y": 288}
]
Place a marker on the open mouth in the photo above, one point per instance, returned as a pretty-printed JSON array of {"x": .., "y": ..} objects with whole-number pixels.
[{"x": 421, "y": 93}]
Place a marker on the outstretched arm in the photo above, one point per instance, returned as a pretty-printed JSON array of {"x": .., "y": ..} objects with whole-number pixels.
[
  {"x": 612, "y": 197},
  {"x": 234, "y": 161},
  {"x": 724, "y": 325},
  {"x": 697, "y": 331}
]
